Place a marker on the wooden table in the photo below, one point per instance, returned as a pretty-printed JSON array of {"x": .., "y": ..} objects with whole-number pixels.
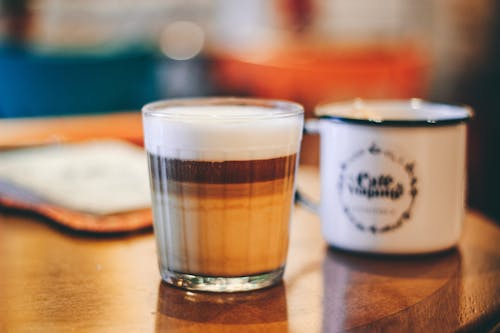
[
  {"x": 55, "y": 281},
  {"x": 20, "y": 132}
]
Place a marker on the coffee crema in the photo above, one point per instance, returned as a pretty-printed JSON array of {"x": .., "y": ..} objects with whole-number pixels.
[{"x": 222, "y": 218}]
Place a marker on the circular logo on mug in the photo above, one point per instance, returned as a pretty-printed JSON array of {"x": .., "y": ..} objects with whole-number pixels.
[{"x": 377, "y": 189}]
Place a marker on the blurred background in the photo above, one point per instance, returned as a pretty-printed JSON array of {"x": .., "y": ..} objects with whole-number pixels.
[{"x": 74, "y": 57}]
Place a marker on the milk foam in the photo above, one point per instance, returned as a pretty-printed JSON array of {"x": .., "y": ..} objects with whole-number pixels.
[{"x": 219, "y": 133}]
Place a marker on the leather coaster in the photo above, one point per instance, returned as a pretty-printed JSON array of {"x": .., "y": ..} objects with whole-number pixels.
[{"x": 96, "y": 186}]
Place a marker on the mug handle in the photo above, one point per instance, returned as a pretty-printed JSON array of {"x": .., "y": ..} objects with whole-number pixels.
[{"x": 311, "y": 126}]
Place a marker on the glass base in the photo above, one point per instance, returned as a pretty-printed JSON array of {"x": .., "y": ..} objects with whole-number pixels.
[{"x": 223, "y": 284}]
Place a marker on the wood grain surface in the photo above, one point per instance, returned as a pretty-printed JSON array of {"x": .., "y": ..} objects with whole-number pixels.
[{"x": 55, "y": 281}]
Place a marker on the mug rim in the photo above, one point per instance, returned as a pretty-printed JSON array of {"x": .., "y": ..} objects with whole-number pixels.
[{"x": 463, "y": 113}]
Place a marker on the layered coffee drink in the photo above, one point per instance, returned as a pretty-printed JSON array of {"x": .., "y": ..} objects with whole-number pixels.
[{"x": 222, "y": 183}]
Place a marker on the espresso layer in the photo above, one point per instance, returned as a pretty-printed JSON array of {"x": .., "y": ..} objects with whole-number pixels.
[
  {"x": 224, "y": 191},
  {"x": 225, "y": 172}
]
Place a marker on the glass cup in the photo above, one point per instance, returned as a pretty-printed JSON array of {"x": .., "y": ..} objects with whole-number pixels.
[{"x": 222, "y": 175}]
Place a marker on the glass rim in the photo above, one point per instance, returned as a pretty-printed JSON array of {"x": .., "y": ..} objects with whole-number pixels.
[
  {"x": 462, "y": 113},
  {"x": 160, "y": 108}
]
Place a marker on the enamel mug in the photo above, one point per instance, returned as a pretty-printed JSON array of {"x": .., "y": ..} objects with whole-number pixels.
[{"x": 393, "y": 174}]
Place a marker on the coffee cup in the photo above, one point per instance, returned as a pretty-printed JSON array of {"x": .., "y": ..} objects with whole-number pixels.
[
  {"x": 222, "y": 174},
  {"x": 393, "y": 174}
]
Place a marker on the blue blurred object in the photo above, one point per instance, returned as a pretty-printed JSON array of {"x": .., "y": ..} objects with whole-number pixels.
[{"x": 37, "y": 84}]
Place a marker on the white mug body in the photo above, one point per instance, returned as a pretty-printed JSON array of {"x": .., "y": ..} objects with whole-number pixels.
[{"x": 392, "y": 189}]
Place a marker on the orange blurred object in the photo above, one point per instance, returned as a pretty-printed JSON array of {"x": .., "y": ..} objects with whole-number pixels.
[{"x": 313, "y": 74}]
